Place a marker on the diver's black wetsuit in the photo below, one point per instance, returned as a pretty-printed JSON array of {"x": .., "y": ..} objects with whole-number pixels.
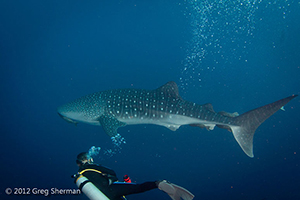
[{"x": 106, "y": 182}]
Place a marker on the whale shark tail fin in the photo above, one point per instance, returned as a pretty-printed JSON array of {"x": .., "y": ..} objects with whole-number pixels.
[{"x": 251, "y": 120}]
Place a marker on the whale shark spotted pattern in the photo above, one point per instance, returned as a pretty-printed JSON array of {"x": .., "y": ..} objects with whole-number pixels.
[{"x": 112, "y": 109}]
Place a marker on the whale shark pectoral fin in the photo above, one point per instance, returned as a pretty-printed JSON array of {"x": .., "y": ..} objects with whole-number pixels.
[{"x": 110, "y": 125}]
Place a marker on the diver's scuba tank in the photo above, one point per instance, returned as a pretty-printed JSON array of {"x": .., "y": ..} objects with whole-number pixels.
[{"x": 89, "y": 189}]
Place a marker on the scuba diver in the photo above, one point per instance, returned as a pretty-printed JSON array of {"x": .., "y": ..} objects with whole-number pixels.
[{"x": 99, "y": 182}]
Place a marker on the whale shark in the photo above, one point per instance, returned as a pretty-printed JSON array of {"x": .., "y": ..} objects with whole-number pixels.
[{"x": 163, "y": 106}]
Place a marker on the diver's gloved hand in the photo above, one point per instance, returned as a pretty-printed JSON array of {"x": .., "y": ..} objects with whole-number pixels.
[{"x": 174, "y": 191}]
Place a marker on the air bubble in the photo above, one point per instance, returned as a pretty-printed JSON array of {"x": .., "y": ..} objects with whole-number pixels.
[{"x": 219, "y": 30}]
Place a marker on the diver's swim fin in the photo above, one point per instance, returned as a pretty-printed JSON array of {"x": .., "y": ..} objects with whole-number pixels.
[{"x": 174, "y": 191}]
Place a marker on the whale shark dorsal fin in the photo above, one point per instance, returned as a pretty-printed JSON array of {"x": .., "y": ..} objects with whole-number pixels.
[{"x": 170, "y": 89}]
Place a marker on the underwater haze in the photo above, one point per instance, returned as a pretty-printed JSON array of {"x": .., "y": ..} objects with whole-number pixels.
[{"x": 236, "y": 55}]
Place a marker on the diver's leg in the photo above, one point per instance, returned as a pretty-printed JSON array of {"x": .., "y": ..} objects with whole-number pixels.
[{"x": 119, "y": 189}]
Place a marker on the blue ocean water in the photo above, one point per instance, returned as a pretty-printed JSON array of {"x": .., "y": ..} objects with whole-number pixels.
[{"x": 237, "y": 55}]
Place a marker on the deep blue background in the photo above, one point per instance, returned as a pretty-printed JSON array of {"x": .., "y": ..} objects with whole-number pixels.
[{"x": 55, "y": 51}]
